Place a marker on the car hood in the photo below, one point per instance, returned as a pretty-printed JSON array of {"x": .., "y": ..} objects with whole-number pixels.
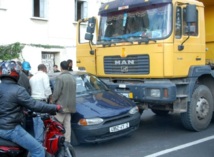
[{"x": 102, "y": 104}]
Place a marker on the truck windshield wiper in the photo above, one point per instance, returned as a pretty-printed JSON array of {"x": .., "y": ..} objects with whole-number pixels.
[
  {"x": 111, "y": 40},
  {"x": 140, "y": 39},
  {"x": 131, "y": 39}
]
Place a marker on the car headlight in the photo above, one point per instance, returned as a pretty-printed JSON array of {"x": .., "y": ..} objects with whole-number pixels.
[
  {"x": 134, "y": 110},
  {"x": 92, "y": 121}
]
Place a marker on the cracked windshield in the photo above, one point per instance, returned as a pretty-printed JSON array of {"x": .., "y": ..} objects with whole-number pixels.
[{"x": 149, "y": 23}]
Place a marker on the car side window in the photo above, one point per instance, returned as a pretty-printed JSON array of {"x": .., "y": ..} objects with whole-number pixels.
[{"x": 80, "y": 85}]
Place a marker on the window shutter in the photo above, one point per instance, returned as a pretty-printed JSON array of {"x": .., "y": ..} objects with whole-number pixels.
[{"x": 85, "y": 10}]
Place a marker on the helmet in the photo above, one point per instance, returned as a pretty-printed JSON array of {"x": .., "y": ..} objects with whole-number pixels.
[
  {"x": 9, "y": 69},
  {"x": 26, "y": 66}
]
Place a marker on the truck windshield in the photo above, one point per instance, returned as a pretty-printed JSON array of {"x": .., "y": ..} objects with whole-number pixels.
[{"x": 150, "y": 22}]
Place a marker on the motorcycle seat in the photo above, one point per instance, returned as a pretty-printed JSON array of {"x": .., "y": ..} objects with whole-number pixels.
[{"x": 4, "y": 142}]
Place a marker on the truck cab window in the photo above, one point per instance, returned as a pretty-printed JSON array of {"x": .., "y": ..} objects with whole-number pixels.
[
  {"x": 178, "y": 23},
  {"x": 143, "y": 22}
]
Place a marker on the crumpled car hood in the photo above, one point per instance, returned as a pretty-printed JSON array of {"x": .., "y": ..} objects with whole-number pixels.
[{"x": 102, "y": 104}]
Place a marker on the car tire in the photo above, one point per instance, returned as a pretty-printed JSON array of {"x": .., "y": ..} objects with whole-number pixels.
[{"x": 74, "y": 140}]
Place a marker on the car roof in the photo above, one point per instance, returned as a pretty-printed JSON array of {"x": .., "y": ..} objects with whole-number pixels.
[{"x": 75, "y": 73}]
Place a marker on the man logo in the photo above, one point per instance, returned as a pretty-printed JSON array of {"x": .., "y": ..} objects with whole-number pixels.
[
  {"x": 124, "y": 69},
  {"x": 124, "y": 62}
]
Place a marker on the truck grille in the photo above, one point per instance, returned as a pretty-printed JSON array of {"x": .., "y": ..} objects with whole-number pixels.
[{"x": 132, "y": 64}]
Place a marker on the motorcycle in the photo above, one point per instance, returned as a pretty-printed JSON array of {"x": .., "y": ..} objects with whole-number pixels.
[{"x": 54, "y": 141}]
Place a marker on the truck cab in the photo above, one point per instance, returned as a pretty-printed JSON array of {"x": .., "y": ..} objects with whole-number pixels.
[{"x": 155, "y": 53}]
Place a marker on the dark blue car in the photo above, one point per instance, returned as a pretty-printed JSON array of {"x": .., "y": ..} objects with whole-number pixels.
[{"x": 101, "y": 114}]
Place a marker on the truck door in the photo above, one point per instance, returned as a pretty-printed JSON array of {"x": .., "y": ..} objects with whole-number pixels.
[
  {"x": 85, "y": 49},
  {"x": 189, "y": 44}
]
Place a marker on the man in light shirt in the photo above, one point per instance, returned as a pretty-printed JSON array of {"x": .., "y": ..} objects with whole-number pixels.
[{"x": 40, "y": 90}]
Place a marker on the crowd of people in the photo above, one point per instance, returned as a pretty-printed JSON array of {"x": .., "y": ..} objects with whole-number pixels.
[
  {"x": 27, "y": 91},
  {"x": 70, "y": 66}
]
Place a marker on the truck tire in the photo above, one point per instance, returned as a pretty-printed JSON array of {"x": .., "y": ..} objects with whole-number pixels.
[{"x": 200, "y": 110}]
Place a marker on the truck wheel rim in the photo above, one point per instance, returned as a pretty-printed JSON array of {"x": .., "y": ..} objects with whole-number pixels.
[{"x": 202, "y": 108}]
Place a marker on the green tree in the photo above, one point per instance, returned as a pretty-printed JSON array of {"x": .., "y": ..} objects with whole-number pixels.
[{"x": 12, "y": 51}]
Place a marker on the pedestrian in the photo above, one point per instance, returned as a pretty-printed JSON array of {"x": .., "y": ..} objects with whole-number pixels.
[
  {"x": 24, "y": 82},
  {"x": 55, "y": 68},
  {"x": 13, "y": 98},
  {"x": 26, "y": 68},
  {"x": 23, "y": 78},
  {"x": 70, "y": 65},
  {"x": 64, "y": 92},
  {"x": 40, "y": 90}
]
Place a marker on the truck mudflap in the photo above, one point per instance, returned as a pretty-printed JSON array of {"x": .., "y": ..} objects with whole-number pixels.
[{"x": 148, "y": 92}]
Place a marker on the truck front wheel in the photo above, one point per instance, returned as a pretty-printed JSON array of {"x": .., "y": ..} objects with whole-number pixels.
[{"x": 200, "y": 110}]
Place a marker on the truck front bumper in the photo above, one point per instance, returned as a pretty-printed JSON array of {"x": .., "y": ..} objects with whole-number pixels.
[{"x": 155, "y": 92}]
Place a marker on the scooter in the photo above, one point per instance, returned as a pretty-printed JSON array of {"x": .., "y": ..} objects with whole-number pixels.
[{"x": 54, "y": 141}]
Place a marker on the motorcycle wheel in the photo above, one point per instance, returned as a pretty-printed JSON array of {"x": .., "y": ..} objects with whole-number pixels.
[{"x": 67, "y": 151}]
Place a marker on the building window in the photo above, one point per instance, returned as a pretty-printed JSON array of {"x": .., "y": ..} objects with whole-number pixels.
[
  {"x": 48, "y": 58},
  {"x": 39, "y": 8},
  {"x": 81, "y": 9}
]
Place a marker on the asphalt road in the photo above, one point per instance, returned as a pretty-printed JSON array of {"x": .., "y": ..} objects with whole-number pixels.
[{"x": 156, "y": 136}]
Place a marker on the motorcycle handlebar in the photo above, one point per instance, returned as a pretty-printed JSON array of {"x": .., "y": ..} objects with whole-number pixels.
[{"x": 35, "y": 114}]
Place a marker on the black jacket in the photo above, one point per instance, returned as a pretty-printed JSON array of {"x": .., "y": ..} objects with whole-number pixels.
[
  {"x": 24, "y": 81},
  {"x": 13, "y": 98}
]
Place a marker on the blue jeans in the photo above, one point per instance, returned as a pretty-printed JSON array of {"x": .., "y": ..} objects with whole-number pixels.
[
  {"x": 24, "y": 139},
  {"x": 38, "y": 126}
]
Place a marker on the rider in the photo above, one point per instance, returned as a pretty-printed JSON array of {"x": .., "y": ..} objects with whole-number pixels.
[{"x": 13, "y": 98}]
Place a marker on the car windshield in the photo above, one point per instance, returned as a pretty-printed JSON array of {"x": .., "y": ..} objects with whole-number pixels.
[
  {"x": 88, "y": 83},
  {"x": 143, "y": 22},
  {"x": 85, "y": 83}
]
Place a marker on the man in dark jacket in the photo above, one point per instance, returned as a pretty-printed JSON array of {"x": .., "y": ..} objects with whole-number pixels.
[
  {"x": 13, "y": 98},
  {"x": 23, "y": 79}
]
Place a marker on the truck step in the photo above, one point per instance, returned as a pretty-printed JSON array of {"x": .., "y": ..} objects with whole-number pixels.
[
  {"x": 182, "y": 83},
  {"x": 181, "y": 96}
]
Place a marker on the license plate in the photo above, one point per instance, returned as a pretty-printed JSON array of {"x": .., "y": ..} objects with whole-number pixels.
[
  {"x": 119, "y": 127},
  {"x": 128, "y": 95},
  {"x": 125, "y": 94}
]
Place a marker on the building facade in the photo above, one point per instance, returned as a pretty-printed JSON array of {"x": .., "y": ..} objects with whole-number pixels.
[{"x": 46, "y": 28}]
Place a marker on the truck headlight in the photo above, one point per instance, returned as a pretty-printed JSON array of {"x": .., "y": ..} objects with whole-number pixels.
[
  {"x": 92, "y": 121},
  {"x": 155, "y": 93},
  {"x": 134, "y": 110}
]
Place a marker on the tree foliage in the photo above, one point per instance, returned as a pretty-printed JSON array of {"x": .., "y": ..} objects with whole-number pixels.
[{"x": 12, "y": 51}]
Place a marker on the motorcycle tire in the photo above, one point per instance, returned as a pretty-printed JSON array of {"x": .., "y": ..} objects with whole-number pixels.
[{"x": 63, "y": 151}]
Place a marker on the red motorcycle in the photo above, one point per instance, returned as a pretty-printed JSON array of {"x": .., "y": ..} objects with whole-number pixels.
[{"x": 54, "y": 141}]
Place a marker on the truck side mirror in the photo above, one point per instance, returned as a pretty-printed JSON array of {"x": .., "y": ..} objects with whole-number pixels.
[
  {"x": 89, "y": 36},
  {"x": 191, "y": 19},
  {"x": 90, "y": 29},
  {"x": 91, "y": 25},
  {"x": 191, "y": 14}
]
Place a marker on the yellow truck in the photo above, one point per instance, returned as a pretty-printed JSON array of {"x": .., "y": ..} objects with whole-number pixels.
[{"x": 159, "y": 53}]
